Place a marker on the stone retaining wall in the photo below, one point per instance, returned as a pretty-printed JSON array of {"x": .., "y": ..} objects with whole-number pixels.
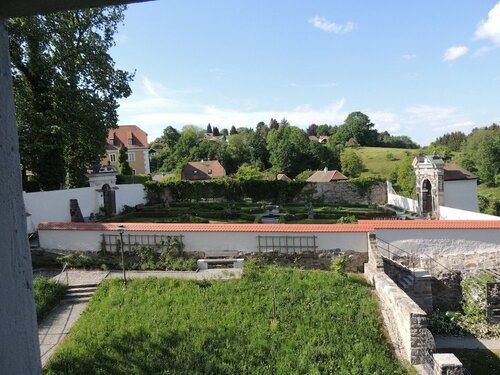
[
  {"x": 347, "y": 192},
  {"x": 405, "y": 320}
]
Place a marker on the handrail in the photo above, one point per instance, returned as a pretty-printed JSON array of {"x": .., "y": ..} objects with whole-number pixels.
[
  {"x": 431, "y": 259},
  {"x": 411, "y": 260},
  {"x": 63, "y": 270}
]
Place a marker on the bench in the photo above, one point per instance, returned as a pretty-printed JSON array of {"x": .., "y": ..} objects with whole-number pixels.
[{"x": 203, "y": 264}]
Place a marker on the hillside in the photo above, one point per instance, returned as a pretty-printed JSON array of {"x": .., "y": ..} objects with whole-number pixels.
[{"x": 382, "y": 161}]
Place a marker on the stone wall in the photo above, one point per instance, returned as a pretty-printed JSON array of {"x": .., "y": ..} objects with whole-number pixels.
[
  {"x": 405, "y": 320},
  {"x": 347, "y": 192}
]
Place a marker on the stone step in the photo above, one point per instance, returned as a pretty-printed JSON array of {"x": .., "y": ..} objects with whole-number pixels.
[
  {"x": 78, "y": 294},
  {"x": 406, "y": 282}
]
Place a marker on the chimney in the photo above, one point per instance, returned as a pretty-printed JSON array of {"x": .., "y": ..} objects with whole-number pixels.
[{"x": 325, "y": 170}]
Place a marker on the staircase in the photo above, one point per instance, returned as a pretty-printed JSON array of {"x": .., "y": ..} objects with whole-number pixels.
[
  {"x": 79, "y": 293},
  {"x": 406, "y": 283}
]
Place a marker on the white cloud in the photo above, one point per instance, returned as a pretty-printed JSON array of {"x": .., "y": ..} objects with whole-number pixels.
[
  {"x": 463, "y": 125},
  {"x": 454, "y": 53},
  {"x": 331, "y": 27},
  {"x": 490, "y": 28}
]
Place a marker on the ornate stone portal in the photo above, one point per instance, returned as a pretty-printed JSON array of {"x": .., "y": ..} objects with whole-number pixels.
[{"x": 429, "y": 171}]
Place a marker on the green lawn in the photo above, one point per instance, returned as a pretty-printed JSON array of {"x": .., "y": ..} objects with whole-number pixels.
[
  {"x": 48, "y": 293},
  {"x": 376, "y": 159},
  {"x": 478, "y": 362},
  {"x": 325, "y": 324}
]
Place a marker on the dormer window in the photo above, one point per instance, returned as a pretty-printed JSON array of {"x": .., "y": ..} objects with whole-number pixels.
[
  {"x": 209, "y": 171},
  {"x": 130, "y": 141},
  {"x": 111, "y": 141},
  {"x": 195, "y": 171}
]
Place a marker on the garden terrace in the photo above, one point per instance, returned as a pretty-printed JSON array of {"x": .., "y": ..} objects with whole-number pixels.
[
  {"x": 210, "y": 212},
  {"x": 271, "y": 321}
]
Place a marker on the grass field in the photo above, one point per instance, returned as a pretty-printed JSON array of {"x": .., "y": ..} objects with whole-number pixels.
[
  {"x": 324, "y": 324},
  {"x": 379, "y": 162}
]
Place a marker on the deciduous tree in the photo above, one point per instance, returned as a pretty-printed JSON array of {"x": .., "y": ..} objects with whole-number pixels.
[{"x": 66, "y": 90}]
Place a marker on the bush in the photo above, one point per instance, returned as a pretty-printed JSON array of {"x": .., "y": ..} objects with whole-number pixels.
[
  {"x": 48, "y": 293},
  {"x": 339, "y": 264}
]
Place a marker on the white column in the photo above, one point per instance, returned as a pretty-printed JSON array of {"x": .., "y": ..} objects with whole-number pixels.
[{"x": 19, "y": 348}]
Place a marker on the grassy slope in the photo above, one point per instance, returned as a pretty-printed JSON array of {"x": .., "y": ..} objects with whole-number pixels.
[
  {"x": 375, "y": 159},
  {"x": 327, "y": 324}
]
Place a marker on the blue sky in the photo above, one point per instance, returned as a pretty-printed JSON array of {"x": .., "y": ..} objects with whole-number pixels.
[{"x": 419, "y": 68}]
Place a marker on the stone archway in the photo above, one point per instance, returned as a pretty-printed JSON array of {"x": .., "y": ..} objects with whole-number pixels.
[
  {"x": 109, "y": 198},
  {"x": 426, "y": 197}
]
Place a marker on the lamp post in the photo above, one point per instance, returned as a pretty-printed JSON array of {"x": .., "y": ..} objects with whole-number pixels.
[{"x": 121, "y": 229}]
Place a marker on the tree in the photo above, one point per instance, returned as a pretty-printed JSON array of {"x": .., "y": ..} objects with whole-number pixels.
[
  {"x": 233, "y": 130},
  {"x": 288, "y": 150},
  {"x": 209, "y": 128},
  {"x": 123, "y": 165},
  {"x": 170, "y": 137},
  {"x": 405, "y": 178},
  {"x": 216, "y": 131},
  {"x": 284, "y": 123},
  {"x": 273, "y": 124},
  {"x": 312, "y": 129},
  {"x": 481, "y": 153},
  {"x": 326, "y": 129},
  {"x": 357, "y": 125},
  {"x": 66, "y": 89},
  {"x": 351, "y": 163},
  {"x": 248, "y": 172},
  {"x": 453, "y": 140}
]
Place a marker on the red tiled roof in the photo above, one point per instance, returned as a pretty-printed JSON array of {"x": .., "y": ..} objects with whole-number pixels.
[
  {"x": 123, "y": 133},
  {"x": 188, "y": 227},
  {"x": 203, "y": 170},
  {"x": 432, "y": 224},
  {"x": 327, "y": 176}
]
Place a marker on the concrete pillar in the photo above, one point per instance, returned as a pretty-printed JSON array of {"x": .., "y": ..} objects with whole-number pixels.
[
  {"x": 19, "y": 348},
  {"x": 447, "y": 364}
]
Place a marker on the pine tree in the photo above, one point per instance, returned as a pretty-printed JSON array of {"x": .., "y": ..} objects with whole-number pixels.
[
  {"x": 233, "y": 130},
  {"x": 209, "y": 128},
  {"x": 216, "y": 131}
]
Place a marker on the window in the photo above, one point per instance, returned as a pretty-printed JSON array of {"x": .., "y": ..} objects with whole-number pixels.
[
  {"x": 131, "y": 156},
  {"x": 209, "y": 171},
  {"x": 133, "y": 171},
  {"x": 111, "y": 141},
  {"x": 130, "y": 141},
  {"x": 195, "y": 171},
  {"x": 112, "y": 158}
]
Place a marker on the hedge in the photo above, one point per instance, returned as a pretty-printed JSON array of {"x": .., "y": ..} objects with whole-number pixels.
[{"x": 228, "y": 189}]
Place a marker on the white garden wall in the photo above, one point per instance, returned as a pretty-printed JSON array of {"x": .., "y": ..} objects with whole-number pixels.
[
  {"x": 214, "y": 243},
  {"x": 54, "y": 205},
  {"x": 437, "y": 242},
  {"x": 449, "y": 213},
  {"x": 405, "y": 203}
]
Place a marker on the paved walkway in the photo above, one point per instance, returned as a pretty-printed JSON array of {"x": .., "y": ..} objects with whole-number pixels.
[
  {"x": 457, "y": 342},
  {"x": 55, "y": 327}
]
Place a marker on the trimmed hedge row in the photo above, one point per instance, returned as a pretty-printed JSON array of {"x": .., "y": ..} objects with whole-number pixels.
[{"x": 229, "y": 189}]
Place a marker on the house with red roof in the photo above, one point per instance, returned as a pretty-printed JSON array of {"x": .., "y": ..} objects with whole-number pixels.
[
  {"x": 135, "y": 140},
  {"x": 203, "y": 170},
  {"x": 327, "y": 176}
]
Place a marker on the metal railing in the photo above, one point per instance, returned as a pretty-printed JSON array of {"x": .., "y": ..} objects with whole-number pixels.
[
  {"x": 396, "y": 257},
  {"x": 422, "y": 261},
  {"x": 65, "y": 271}
]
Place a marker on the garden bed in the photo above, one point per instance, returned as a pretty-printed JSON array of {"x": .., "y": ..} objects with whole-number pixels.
[{"x": 272, "y": 321}]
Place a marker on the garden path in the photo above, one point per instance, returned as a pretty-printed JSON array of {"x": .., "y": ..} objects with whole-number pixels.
[{"x": 457, "y": 342}]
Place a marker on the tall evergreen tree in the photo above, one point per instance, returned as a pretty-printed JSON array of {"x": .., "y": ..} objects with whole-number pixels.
[
  {"x": 123, "y": 165},
  {"x": 233, "y": 130},
  {"x": 216, "y": 131},
  {"x": 209, "y": 128}
]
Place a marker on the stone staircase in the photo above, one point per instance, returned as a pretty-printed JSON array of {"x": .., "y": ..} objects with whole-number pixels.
[{"x": 79, "y": 293}]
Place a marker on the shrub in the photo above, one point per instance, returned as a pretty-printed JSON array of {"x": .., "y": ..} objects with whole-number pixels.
[
  {"x": 339, "y": 264},
  {"x": 350, "y": 219},
  {"x": 48, "y": 293}
]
